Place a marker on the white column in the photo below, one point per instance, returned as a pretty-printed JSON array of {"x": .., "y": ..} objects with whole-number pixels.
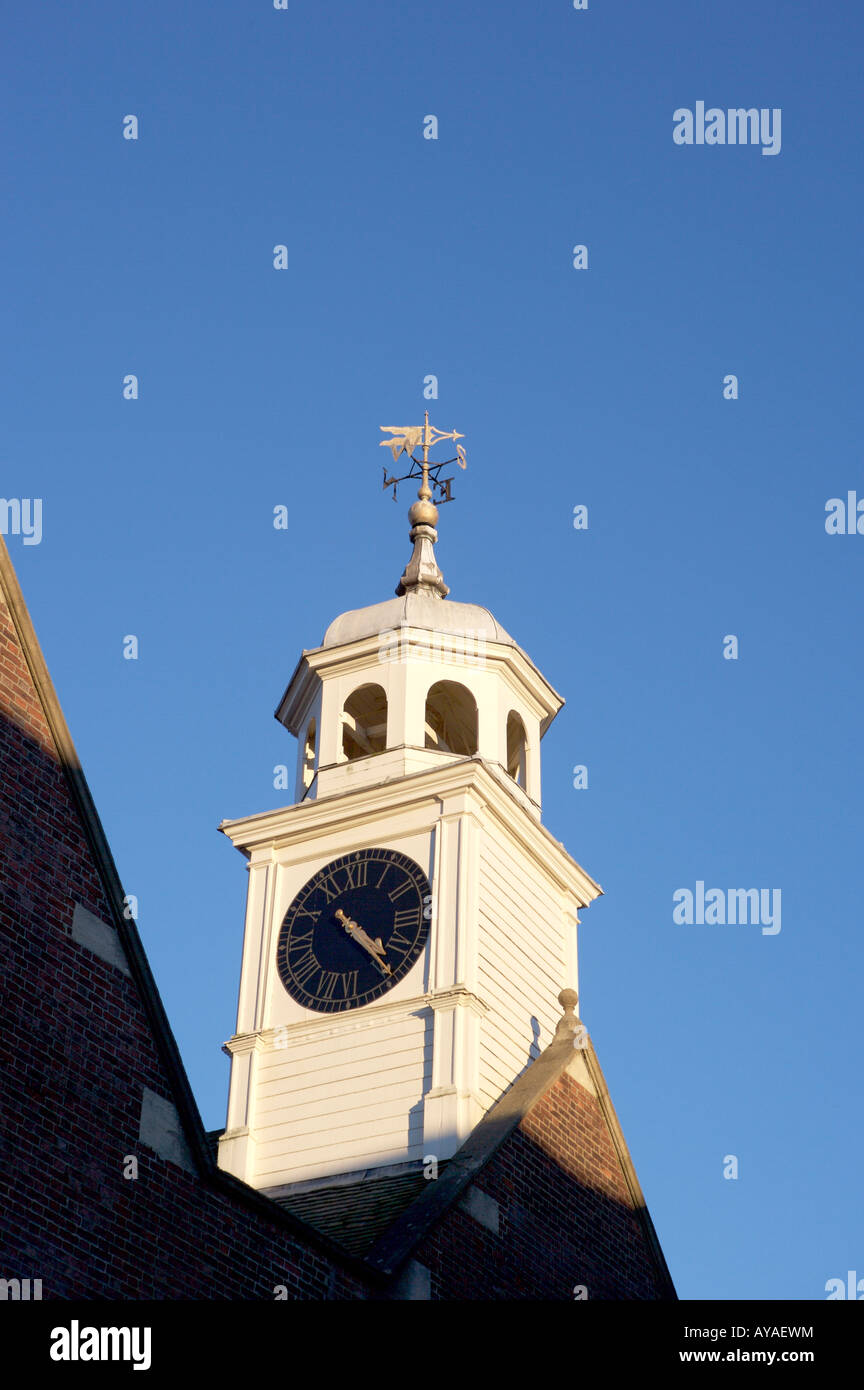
[
  {"x": 253, "y": 968},
  {"x": 237, "y": 1145},
  {"x": 451, "y": 1108}
]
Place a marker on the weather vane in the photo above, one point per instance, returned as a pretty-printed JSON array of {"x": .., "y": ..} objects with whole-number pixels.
[
  {"x": 422, "y": 573},
  {"x": 405, "y": 440}
]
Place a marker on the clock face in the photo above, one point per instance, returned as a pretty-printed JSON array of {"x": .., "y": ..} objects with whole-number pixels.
[{"x": 354, "y": 930}]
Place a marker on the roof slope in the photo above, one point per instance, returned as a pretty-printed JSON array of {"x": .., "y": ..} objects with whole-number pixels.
[{"x": 357, "y": 1214}]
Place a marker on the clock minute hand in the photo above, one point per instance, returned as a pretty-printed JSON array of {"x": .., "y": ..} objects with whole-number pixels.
[{"x": 373, "y": 948}]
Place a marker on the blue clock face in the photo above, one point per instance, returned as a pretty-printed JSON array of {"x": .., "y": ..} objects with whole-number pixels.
[{"x": 354, "y": 930}]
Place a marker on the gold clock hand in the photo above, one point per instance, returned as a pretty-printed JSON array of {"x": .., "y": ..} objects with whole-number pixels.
[{"x": 373, "y": 948}]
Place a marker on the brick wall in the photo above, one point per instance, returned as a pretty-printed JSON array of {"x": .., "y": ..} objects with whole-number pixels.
[{"x": 76, "y": 1052}]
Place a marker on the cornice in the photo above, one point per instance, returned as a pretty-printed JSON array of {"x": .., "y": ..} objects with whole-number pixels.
[
  {"x": 355, "y": 1020},
  {"x": 297, "y": 824},
  {"x": 317, "y": 663},
  {"x": 457, "y": 997}
]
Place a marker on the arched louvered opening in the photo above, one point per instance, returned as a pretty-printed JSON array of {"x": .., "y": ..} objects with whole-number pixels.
[
  {"x": 451, "y": 719},
  {"x": 364, "y": 722},
  {"x": 309, "y": 755},
  {"x": 517, "y": 756}
]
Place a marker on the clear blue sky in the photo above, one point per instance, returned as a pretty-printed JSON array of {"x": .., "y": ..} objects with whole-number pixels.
[{"x": 603, "y": 386}]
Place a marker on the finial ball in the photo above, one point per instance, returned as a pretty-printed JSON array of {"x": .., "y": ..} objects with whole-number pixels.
[
  {"x": 423, "y": 513},
  {"x": 568, "y": 999}
]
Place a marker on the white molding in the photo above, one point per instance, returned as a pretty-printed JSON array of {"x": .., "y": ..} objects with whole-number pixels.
[
  {"x": 352, "y": 658},
  {"x": 354, "y": 1020},
  {"x": 457, "y": 997},
  {"x": 292, "y": 826}
]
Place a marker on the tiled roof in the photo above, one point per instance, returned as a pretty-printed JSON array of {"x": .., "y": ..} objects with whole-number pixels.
[{"x": 356, "y": 1214}]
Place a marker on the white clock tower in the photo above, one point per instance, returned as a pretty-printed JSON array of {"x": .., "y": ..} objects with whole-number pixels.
[{"x": 419, "y": 723}]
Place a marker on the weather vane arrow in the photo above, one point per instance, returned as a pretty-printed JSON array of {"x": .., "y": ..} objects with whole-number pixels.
[
  {"x": 407, "y": 438},
  {"x": 422, "y": 571}
]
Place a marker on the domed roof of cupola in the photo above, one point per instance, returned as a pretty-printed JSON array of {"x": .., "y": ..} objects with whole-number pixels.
[{"x": 417, "y": 608}]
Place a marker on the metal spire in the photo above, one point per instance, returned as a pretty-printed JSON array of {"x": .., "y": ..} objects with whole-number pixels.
[{"x": 422, "y": 572}]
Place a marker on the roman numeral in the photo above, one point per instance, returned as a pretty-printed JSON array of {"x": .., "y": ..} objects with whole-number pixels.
[
  {"x": 383, "y": 876},
  {"x": 408, "y": 919},
  {"x": 349, "y": 984},
  {"x": 330, "y": 889},
  {"x": 327, "y": 986},
  {"x": 355, "y": 875},
  {"x": 301, "y": 940},
  {"x": 404, "y": 887},
  {"x": 305, "y": 912},
  {"x": 305, "y": 969}
]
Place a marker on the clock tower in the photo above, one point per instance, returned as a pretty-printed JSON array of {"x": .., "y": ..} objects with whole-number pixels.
[{"x": 410, "y": 922}]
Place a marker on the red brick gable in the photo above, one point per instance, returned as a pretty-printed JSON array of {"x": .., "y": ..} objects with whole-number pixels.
[
  {"x": 567, "y": 1217},
  {"x": 555, "y": 1200}
]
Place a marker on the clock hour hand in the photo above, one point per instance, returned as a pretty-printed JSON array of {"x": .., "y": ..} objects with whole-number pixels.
[{"x": 373, "y": 948}]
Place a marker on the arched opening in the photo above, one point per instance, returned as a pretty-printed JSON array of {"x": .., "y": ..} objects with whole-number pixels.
[
  {"x": 517, "y": 762},
  {"x": 451, "y": 719},
  {"x": 309, "y": 756},
  {"x": 364, "y": 722}
]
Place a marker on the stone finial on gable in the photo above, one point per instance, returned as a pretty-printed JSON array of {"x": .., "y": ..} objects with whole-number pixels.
[{"x": 568, "y": 1023}]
